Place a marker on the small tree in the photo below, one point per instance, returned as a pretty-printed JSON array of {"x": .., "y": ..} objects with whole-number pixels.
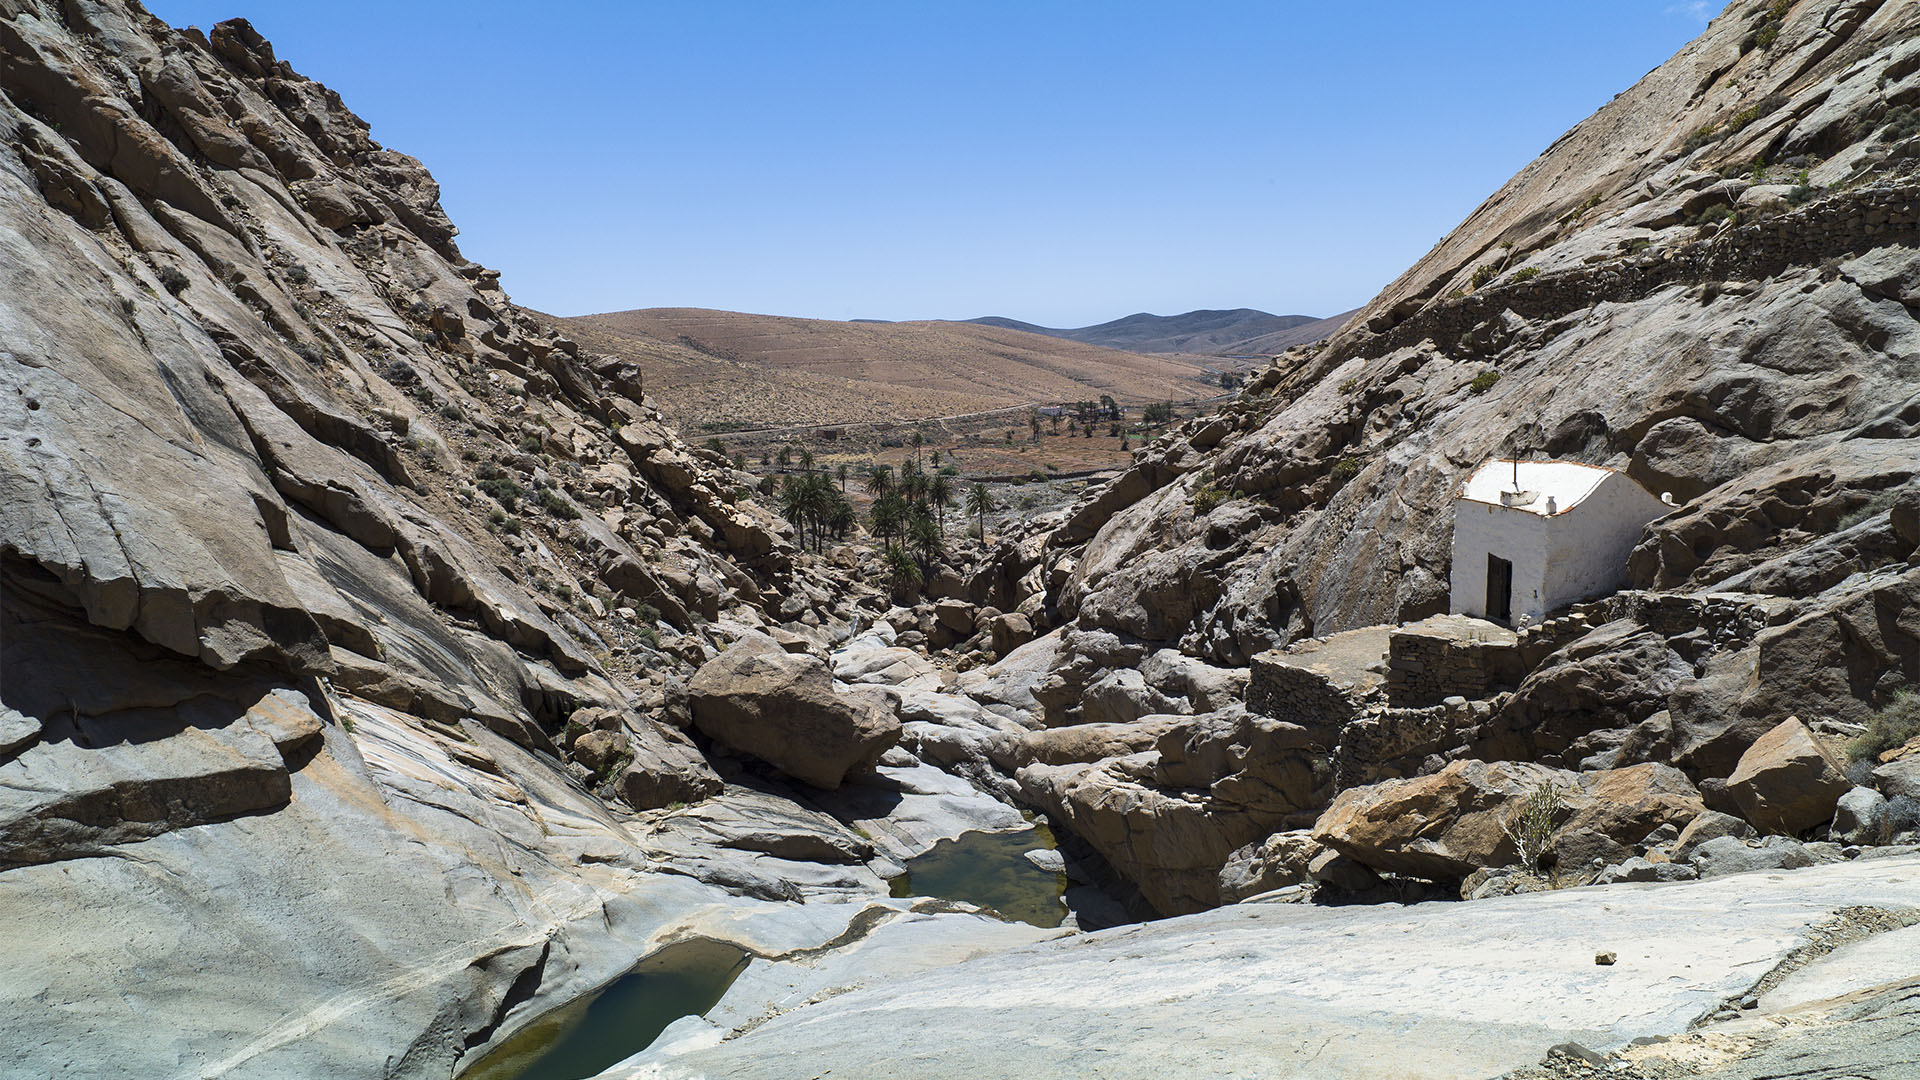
[
  {"x": 902, "y": 572},
  {"x": 1531, "y": 824},
  {"x": 841, "y": 474},
  {"x": 939, "y": 496},
  {"x": 979, "y": 501}
]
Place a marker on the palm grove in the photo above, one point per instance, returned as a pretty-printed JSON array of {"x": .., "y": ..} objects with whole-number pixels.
[{"x": 908, "y": 515}]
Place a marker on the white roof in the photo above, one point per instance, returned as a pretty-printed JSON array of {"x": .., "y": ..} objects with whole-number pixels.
[{"x": 1566, "y": 482}]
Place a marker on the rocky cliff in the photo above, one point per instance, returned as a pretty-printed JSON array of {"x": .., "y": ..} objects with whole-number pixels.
[
  {"x": 378, "y": 671},
  {"x": 1713, "y": 284},
  {"x": 344, "y": 607}
]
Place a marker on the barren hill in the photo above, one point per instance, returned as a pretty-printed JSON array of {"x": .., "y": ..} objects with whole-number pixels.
[
  {"x": 724, "y": 368},
  {"x": 1235, "y": 332}
]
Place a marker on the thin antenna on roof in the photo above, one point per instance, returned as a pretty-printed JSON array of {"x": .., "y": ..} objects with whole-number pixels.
[{"x": 1516, "y": 470}]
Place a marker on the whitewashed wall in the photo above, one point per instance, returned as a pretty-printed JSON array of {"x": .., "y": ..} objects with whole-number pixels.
[
  {"x": 1518, "y": 536},
  {"x": 1588, "y": 546}
]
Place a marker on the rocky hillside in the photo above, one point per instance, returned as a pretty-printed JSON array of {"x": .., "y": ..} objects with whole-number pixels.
[
  {"x": 1712, "y": 284},
  {"x": 346, "y": 608},
  {"x": 717, "y": 370},
  {"x": 379, "y": 672},
  {"x": 1238, "y": 332}
]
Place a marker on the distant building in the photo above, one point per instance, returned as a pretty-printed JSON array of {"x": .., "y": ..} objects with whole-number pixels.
[{"x": 1533, "y": 536}]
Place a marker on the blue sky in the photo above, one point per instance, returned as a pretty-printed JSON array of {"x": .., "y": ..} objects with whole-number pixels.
[{"x": 1059, "y": 162}]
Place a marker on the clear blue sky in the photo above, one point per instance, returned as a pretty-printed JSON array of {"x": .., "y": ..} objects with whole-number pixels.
[{"x": 1059, "y": 162}]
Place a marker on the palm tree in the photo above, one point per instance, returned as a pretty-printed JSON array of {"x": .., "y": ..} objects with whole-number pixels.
[
  {"x": 902, "y": 571},
  {"x": 913, "y": 482},
  {"x": 924, "y": 537},
  {"x": 887, "y": 514},
  {"x": 979, "y": 501},
  {"x": 793, "y": 505},
  {"x": 878, "y": 481},
  {"x": 939, "y": 496},
  {"x": 841, "y": 472},
  {"x": 919, "y": 440},
  {"x": 840, "y": 517},
  {"x": 806, "y": 460}
]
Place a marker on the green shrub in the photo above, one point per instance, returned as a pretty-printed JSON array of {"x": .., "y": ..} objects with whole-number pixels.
[
  {"x": 1531, "y": 825},
  {"x": 297, "y": 274},
  {"x": 1700, "y": 137},
  {"x": 173, "y": 280},
  {"x": 494, "y": 480},
  {"x": 1484, "y": 274},
  {"x": 557, "y": 504},
  {"x": 1205, "y": 498},
  {"x": 1892, "y": 726},
  {"x": 1526, "y": 272},
  {"x": 1899, "y": 124},
  {"x": 1345, "y": 469},
  {"x": 1484, "y": 381},
  {"x": 530, "y": 443}
]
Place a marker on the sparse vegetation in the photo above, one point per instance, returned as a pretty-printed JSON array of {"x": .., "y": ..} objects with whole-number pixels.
[
  {"x": 1890, "y": 727},
  {"x": 1345, "y": 469},
  {"x": 558, "y": 505},
  {"x": 1484, "y": 381},
  {"x": 1530, "y": 825},
  {"x": 502, "y": 488},
  {"x": 1526, "y": 272},
  {"x": 1899, "y": 124},
  {"x": 1483, "y": 274},
  {"x": 1700, "y": 137},
  {"x": 172, "y": 279},
  {"x": 1205, "y": 498}
]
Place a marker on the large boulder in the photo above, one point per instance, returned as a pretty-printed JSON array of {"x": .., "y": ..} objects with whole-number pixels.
[
  {"x": 781, "y": 707},
  {"x": 1787, "y": 782},
  {"x": 1443, "y": 826},
  {"x": 1621, "y": 807},
  {"x": 1274, "y": 863},
  {"x": 1468, "y": 816}
]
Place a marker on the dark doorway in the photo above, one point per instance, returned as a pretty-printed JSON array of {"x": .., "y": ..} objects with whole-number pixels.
[{"x": 1499, "y": 589}]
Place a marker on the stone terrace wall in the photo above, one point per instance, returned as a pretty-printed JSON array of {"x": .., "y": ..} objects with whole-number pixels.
[
  {"x": 1447, "y": 656},
  {"x": 1839, "y": 225}
]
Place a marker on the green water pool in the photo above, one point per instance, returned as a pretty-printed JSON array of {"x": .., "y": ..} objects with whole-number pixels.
[
  {"x": 991, "y": 870},
  {"x": 619, "y": 1020}
]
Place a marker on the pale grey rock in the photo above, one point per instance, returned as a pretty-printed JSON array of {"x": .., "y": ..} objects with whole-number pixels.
[
  {"x": 1732, "y": 855},
  {"x": 1856, "y": 817},
  {"x": 1281, "y": 989},
  {"x": 1047, "y": 859},
  {"x": 783, "y": 708}
]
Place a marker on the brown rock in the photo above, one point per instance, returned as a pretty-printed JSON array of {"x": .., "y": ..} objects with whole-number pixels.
[
  {"x": 1442, "y": 826},
  {"x": 1787, "y": 782},
  {"x": 782, "y": 708}
]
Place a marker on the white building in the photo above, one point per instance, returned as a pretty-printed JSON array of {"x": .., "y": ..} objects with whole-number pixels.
[{"x": 1533, "y": 536}]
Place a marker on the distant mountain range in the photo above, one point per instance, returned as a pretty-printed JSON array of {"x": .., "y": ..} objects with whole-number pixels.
[
  {"x": 732, "y": 368},
  {"x": 1238, "y": 332}
]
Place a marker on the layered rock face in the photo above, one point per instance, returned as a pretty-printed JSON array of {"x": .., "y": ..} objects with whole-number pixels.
[
  {"x": 345, "y": 609},
  {"x": 1710, "y": 284}
]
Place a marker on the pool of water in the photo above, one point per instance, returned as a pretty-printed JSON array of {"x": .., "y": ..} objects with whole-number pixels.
[
  {"x": 991, "y": 870},
  {"x": 619, "y": 1020}
]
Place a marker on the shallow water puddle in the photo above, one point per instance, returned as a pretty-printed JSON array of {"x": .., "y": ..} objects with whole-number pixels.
[
  {"x": 592, "y": 1033},
  {"x": 991, "y": 870}
]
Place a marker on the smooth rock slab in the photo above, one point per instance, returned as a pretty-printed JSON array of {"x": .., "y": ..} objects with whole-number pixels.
[{"x": 1441, "y": 990}]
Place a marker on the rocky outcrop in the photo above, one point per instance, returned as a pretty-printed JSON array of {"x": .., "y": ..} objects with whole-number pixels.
[
  {"x": 783, "y": 708},
  {"x": 335, "y": 608},
  {"x": 1787, "y": 782},
  {"x": 1476, "y": 815}
]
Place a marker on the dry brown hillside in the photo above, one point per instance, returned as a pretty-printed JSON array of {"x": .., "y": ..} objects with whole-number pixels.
[{"x": 720, "y": 369}]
